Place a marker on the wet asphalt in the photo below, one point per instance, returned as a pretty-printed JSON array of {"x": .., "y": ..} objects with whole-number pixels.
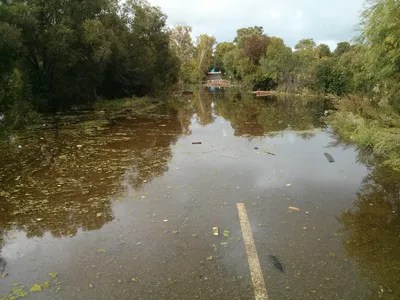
[{"x": 141, "y": 225}]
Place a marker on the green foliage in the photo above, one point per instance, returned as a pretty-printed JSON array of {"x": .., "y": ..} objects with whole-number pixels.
[
  {"x": 204, "y": 53},
  {"x": 331, "y": 78},
  {"x": 381, "y": 36},
  {"x": 341, "y": 48},
  {"x": 376, "y": 129},
  {"x": 72, "y": 52}
]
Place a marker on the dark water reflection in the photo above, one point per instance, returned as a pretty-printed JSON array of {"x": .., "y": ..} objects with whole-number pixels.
[
  {"x": 66, "y": 181},
  {"x": 373, "y": 231}
]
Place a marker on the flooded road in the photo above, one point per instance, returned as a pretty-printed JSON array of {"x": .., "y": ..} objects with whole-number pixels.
[{"x": 125, "y": 208}]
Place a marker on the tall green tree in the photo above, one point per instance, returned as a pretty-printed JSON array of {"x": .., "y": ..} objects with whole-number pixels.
[
  {"x": 204, "y": 54},
  {"x": 381, "y": 36}
]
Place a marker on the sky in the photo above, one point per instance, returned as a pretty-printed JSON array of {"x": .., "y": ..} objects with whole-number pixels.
[{"x": 326, "y": 21}]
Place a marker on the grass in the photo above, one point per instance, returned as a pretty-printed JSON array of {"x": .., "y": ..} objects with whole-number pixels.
[{"x": 372, "y": 127}]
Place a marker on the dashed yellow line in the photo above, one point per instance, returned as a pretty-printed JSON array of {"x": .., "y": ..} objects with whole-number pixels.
[{"x": 260, "y": 290}]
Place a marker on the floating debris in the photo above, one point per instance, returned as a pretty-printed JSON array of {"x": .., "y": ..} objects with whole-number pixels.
[
  {"x": 329, "y": 157},
  {"x": 215, "y": 231},
  {"x": 292, "y": 208},
  {"x": 36, "y": 288},
  {"x": 226, "y": 233},
  {"x": 277, "y": 264}
]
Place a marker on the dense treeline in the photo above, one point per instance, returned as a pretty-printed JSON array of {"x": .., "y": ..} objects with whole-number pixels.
[
  {"x": 54, "y": 53},
  {"x": 370, "y": 65}
]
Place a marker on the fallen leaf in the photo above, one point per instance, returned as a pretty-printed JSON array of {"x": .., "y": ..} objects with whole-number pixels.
[
  {"x": 102, "y": 251},
  {"x": 194, "y": 235},
  {"x": 134, "y": 279},
  {"x": 215, "y": 231},
  {"x": 226, "y": 233},
  {"x": 174, "y": 232},
  {"x": 99, "y": 215},
  {"x": 16, "y": 283},
  {"x": 4, "y": 275},
  {"x": 19, "y": 292},
  {"x": 53, "y": 274},
  {"x": 36, "y": 288},
  {"x": 46, "y": 285},
  {"x": 292, "y": 208},
  {"x": 224, "y": 243},
  {"x": 210, "y": 258},
  {"x": 289, "y": 184}
]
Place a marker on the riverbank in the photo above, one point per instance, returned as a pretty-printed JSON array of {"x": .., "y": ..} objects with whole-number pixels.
[{"x": 371, "y": 127}]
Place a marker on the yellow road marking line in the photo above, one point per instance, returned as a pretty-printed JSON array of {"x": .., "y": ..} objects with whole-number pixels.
[{"x": 260, "y": 290}]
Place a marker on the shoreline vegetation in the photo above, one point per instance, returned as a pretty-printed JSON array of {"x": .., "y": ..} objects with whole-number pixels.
[{"x": 66, "y": 56}]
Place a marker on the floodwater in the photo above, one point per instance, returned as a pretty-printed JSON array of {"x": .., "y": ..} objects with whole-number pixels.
[{"x": 125, "y": 208}]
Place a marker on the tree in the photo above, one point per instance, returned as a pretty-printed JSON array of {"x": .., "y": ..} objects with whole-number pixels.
[
  {"x": 204, "y": 53},
  {"x": 69, "y": 52},
  {"x": 323, "y": 51},
  {"x": 380, "y": 35},
  {"x": 331, "y": 78},
  {"x": 220, "y": 51},
  {"x": 278, "y": 63},
  {"x": 342, "y": 48},
  {"x": 182, "y": 45}
]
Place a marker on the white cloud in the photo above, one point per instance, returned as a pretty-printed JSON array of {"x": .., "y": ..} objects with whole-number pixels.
[{"x": 290, "y": 19}]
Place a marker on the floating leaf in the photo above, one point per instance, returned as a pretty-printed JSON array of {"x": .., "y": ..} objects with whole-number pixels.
[
  {"x": 58, "y": 289},
  {"x": 16, "y": 283},
  {"x": 36, "y": 288},
  {"x": 102, "y": 251},
  {"x": 224, "y": 243},
  {"x": 225, "y": 203},
  {"x": 19, "y": 292},
  {"x": 53, "y": 274},
  {"x": 174, "y": 232},
  {"x": 134, "y": 279},
  {"x": 289, "y": 184},
  {"x": 226, "y": 233},
  {"x": 210, "y": 258},
  {"x": 194, "y": 235},
  {"x": 119, "y": 281},
  {"x": 165, "y": 220},
  {"x": 46, "y": 285},
  {"x": 292, "y": 208},
  {"x": 215, "y": 231}
]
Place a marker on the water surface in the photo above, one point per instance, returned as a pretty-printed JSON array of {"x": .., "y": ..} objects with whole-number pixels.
[{"x": 124, "y": 208}]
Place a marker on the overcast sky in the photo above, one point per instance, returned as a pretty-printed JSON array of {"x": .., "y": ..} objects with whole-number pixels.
[{"x": 327, "y": 21}]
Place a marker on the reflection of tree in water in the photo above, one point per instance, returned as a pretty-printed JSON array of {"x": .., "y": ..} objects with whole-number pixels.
[
  {"x": 3, "y": 263},
  {"x": 373, "y": 231},
  {"x": 257, "y": 117},
  {"x": 72, "y": 189},
  {"x": 202, "y": 104}
]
